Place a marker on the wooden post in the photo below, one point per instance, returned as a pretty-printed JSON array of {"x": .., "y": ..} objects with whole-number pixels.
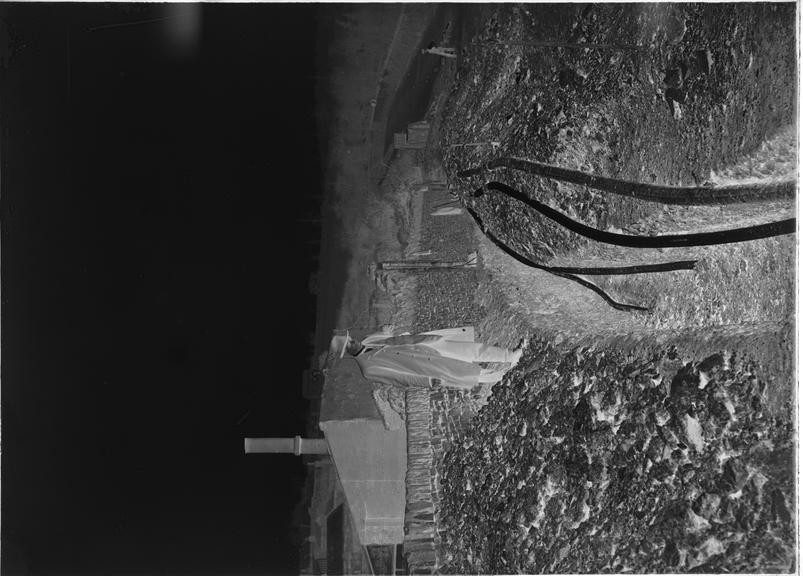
[
  {"x": 492, "y": 144},
  {"x": 417, "y": 265},
  {"x": 297, "y": 446}
]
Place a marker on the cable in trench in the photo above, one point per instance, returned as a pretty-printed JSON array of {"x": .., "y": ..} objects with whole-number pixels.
[
  {"x": 676, "y": 195},
  {"x": 755, "y": 232},
  {"x": 561, "y": 272},
  {"x": 726, "y": 236}
]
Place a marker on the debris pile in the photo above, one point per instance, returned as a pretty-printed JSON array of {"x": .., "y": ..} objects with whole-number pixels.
[{"x": 595, "y": 460}]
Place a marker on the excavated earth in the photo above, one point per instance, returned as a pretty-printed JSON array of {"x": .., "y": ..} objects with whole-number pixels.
[
  {"x": 613, "y": 458},
  {"x": 606, "y": 111},
  {"x": 650, "y": 442}
]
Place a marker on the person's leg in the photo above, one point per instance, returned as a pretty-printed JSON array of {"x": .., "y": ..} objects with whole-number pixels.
[
  {"x": 491, "y": 376},
  {"x": 488, "y": 353},
  {"x": 460, "y": 334},
  {"x": 475, "y": 352}
]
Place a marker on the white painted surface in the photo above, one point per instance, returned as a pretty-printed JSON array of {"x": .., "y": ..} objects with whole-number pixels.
[{"x": 371, "y": 462}]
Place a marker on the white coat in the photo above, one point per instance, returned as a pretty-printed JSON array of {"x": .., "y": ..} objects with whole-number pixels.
[{"x": 414, "y": 359}]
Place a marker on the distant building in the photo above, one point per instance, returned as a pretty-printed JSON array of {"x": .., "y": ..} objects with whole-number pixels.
[{"x": 414, "y": 137}]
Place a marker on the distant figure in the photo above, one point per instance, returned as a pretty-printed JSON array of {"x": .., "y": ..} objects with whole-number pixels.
[
  {"x": 439, "y": 51},
  {"x": 449, "y": 356}
]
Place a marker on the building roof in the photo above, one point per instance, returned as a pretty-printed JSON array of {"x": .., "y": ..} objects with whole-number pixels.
[{"x": 346, "y": 394}]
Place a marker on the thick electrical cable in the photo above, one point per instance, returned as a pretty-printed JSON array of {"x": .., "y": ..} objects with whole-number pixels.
[
  {"x": 677, "y": 195},
  {"x": 748, "y": 233},
  {"x": 556, "y": 271}
]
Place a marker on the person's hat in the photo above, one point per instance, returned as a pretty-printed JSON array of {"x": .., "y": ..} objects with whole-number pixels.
[{"x": 339, "y": 344}]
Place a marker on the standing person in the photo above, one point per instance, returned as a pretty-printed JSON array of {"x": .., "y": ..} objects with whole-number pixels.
[{"x": 450, "y": 356}]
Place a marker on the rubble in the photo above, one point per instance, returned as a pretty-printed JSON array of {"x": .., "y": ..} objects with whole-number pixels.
[{"x": 595, "y": 499}]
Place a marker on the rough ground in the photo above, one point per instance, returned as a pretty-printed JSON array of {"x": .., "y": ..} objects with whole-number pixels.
[
  {"x": 598, "y": 459},
  {"x": 659, "y": 442},
  {"x": 606, "y": 111}
]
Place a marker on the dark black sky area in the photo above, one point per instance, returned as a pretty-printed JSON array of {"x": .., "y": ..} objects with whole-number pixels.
[{"x": 155, "y": 283}]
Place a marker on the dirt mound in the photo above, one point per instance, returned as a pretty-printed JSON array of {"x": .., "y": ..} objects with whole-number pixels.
[{"x": 595, "y": 459}]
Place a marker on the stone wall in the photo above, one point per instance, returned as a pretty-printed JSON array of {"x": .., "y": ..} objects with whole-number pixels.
[
  {"x": 419, "y": 515},
  {"x": 436, "y": 419},
  {"x": 443, "y": 298}
]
